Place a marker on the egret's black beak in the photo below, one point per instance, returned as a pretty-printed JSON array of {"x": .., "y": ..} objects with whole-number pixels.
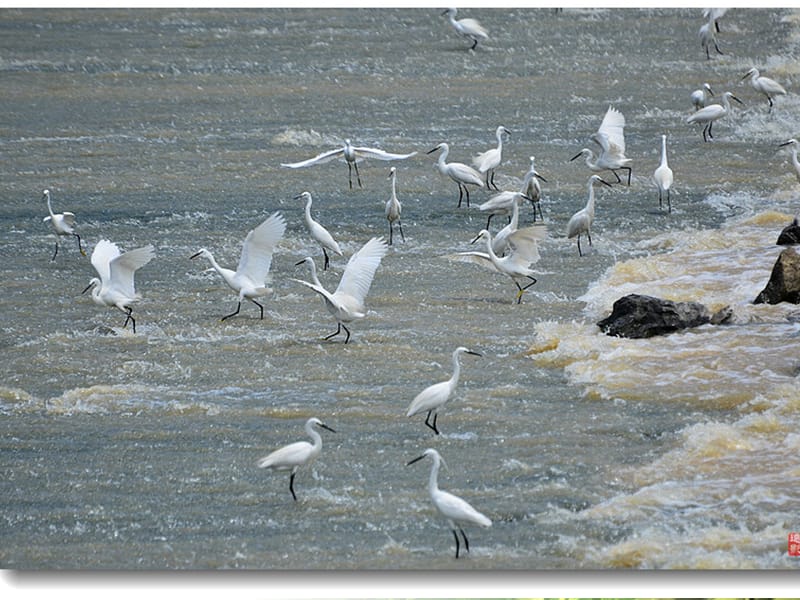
[
  {"x": 735, "y": 98},
  {"x": 326, "y": 427},
  {"x": 540, "y": 177},
  {"x": 578, "y": 155},
  {"x": 87, "y": 288},
  {"x": 411, "y": 462},
  {"x": 433, "y": 149},
  {"x": 195, "y": 255},
  {"x": 473, "y": 353}
]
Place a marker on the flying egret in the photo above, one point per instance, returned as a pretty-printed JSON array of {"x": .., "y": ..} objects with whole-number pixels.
[
  {"x": 699, "y": 97},
  {"x": 250, "y": 278},
  {"x": 487, "y": 162},
  {"x": 433, "y": 397},
  {"x": 524, "y": 251},
  {"x": 456, "y": 510},
  {"x": 319, "y": 233},
  {"x": 346, "y": 304},
  {"x": 351, "y": 154},
  {"x": 115, "y": 285},
  {"x": 611, "y": 139},
  {"x": 713, "y": 112},
  {"x": 462, "y": 174},
  {"x": 393, "y": 207},
  {"x": 581, "y": 221},
  {"x": 795, "y": 163},
  {"x": 296, "y": 455},
  {"x": 63, "y": 224},
  {"x": 469, "y": 28},
  {"x": 663, "y": 175},
  {"x": 764, "y": 85},
  {"x": 708, "y": 37}
]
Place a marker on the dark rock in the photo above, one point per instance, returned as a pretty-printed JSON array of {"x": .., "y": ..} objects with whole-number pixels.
[
  {"x": 790, "y": 234},
  {"x": 784, "y": 282},
  {"x": 638, "y": 316}
]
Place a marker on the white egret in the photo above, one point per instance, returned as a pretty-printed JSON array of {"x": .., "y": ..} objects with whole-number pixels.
[
  {"x": 296, "y": 455},
  {"x": 62, "y": 223},
  {"x": 321, "y": 235},
  {"x": 500, "y": 204},
  {"x": 346, "y": 304},
  {"x": 663, "y": 175},
  {"x": 714, "y": 14},
  {"x": 251, "y": 276},
  {"x": 456, "y": 510},
  {"x": 394, "y": 207},
  {"x": 713, "y": 112},
  {"x": 351, "y": 154},
  {"x": 432, "y": 398},
  {"x": 115, "y": 286},
  {"x": 462, "y": 174},
  {"x": 764, "y": 85},
  {"x": 611, "y": 139},
  {"x": 487, "y": 162},
  {"x": 699, "y": 97},
  {"x": 581, "y": 221},
  {"x": 708, "y": 37},
  {"x": 795, "y": 163},
  {"x": 469, "y": 28},
  {"x": 524, "y": 251},
  {"x": 500, "y": 241},
  {"x": 533, "y": 190}
]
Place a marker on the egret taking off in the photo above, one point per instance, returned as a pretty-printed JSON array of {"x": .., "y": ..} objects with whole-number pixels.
[
  {"x": 432, "y": 398},
  {"x": 393, "y": 207},
  {"x": 469, "y": 28},
  {"x": 299, "y": 454},
  {"x": 713, "y": 112},
  {"x": 321, "y": 235},
  {"x": 581, "y": 221},
  {"x": 63, "y": 224},
  {"x": 611, "y": 139},
  {"x": 455, "y": 510},
  {"x": 250, "y": 278},
  {"x": 346, "y": 304},
  {"x": 487, "y": 162},
  {"x": 795, "y": 163},
  {"x": 699, "y": 97},
  {"x": 663, "y": 175},
  {"x": 462, "y": 174},
  {"x": 115, "y": 286},
  {"x": 351, "y": 154},
  {"x": 764, "y": 85}
]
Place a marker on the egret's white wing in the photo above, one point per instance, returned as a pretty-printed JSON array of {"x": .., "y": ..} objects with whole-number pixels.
[
  {"x": 123, "y": 267},
  {"x": 258, "y": 247},
  {"x": 360, "y": 270},
  {"x": 459, "y": 510},
  {"x": 611, "y": 132},
  {"x": 473, "y": 27},
  {"x": 362, "y": 152},
  {"x": 525, "y": 244},
  {"x": 69, "y": 218},
  {"x": 102, "y": 255},
  {"x": 478, "y": 258},
  {"x": 319, "y": 158},
  {"x": 287, "y": 457}
]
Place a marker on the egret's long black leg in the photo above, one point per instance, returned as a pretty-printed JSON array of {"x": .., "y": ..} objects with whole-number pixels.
[
  {"x": 455, "y": 535},
  {"x": 400, "y": 225},
  {"x": 358, "y": 177},
  {"x": 327, "y": 260},
  {"x": 616, "y": 175},
  {"x": 466, "y": 191},
  {"x": 460, "y": 194},
  {"x": 432, "y": 425},
  {"x": 466, "y": 541},
  {"x": 589, "y": 235},
  {"x": 474, "y": 44},
  {"x": 629, "y": 175},
  {"x": 350, "y": 175},
  {"x": 580, "y": 253},
  {"x": 337, "y": 332},
  {"x": 234, "y": 313},
  {"x": 80, "y": 248},
  {"x": 669, "y": 203},
  {"x": 347, "y": 331},
  {"x": 55, "y": 252},
  {"x": 291, "y": 486},
  {"x": 130, "y": 318},
  {"x": 260, "y": 307}
]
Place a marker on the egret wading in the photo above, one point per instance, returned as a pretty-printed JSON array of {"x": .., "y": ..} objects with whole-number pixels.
[
  {"x": 533, "y": 190},
  {"x": 469, "y": 28},
  {"x": 795, "y": 163},
  {"x": 251, "y": 276},
  {"x": 321, "y": 235},
  {"x": 62, "y": 223},
  {"x": 433, "y": 398},
  {"x": 393, "y": 207},
  {"x": 700, "y": 97},
  {"x": 501, "y": 204},
  {"x": 764, "y": 85},
  {"x": 707, "y": 115},
  {"x": 708, "y": 37},
  {"x": 455, "y": 510},
  {"x": 663, "y": 176},
  {"x": 462, "y": 174},
  {"x": 487, "y": 162},
  {"x": 611, "y": 138},
  {"x": 581, "y": 222}
]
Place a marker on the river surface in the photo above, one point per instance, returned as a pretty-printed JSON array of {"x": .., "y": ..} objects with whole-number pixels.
[{"x": 168, "y": 127}]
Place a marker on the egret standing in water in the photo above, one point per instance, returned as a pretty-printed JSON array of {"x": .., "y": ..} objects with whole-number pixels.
[
  {"x": 462, "y": 174},
  {"x": 455, "y": 510},
  {"x": 393, "y": 207},
  {"x": 250, "y": 278},
  {"x": 432, "y": 398},
  {"x": 663, "y": 175},
  {"x": 533, "y": 190},
  {"x": 699, "y": 97},
  {"x": 581, "y": 221},
  {"x": 299, "y": 454},
  {"x": 321, "y": 235},
  {"x": 62, "y": 223},
  {"x": 764, "y": 85},
  {"x": 487, "y": 162},
  {"x": 351, "y": 154},
  {"x": 346, "y": 304},
  {"x": 611, "y": 139},
  {"x": 708, "y": 37},
  {"x": 469, "y": 28},
  {"x": 501, "y": 204},
  {"x": 115, "y": 286},
  {"x": 795, "y": 163},
  {"x": 713, "y": 112}
]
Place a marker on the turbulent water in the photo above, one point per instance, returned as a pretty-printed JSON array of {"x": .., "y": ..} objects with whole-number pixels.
[{"x": 168, "y": 127}]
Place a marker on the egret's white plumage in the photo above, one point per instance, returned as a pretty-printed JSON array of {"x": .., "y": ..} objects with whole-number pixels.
[
  {"x": 713, "y": 112},
  {"x": 462, "y": 174},
  {"x": 346, "y": 304},
  {"x": 500, "y": 204},
  {"x": 115, "y": 286},
  {"x": 251, "y": 275},
  {"x": 764, "y": 85},
  {"x": 533, "y": 190},
  {"x": 351, "y": 154},
  {"x": 469, "y": 28},
  {"x": 296, "y": 455},
  {"x": 321, "y": 235},
  {"x": 708, "y": 37},
  {"x": 581, "y": 222},
  {"x": 663, "y": 175},
  {"x": 62, "y": 223},
  {"x": 433, "y": 397},
  {"x": 700, "y": 96},
  {"x": 795, "y": 163},
  {"x": 500, "y": 241},
  {"x": 455, "y": 510},
  {"x": 487, "y": 162},
  {"x": 611, "y": 139},
  {"x": 393, "y": 207}
]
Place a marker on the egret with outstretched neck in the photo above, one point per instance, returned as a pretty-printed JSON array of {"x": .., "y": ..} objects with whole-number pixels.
[
  {"x": 663, "y": 176},
  {"x": 62, "y": 223},
  {"x": 462, "y": 174},
  {"x": 321, "y": 235},
  {"x": 487, "y": 162},
  {"x": 393, "y": 207},
  {"x": 581, "y": 222}
]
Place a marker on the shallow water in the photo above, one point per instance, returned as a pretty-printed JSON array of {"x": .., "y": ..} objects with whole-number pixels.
[{"x": 168, "y": 127}]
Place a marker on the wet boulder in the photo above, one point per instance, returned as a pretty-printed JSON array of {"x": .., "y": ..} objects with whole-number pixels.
[
  {"x": 790, "y": 234},
  {"x": 784, "y": 282},
  {"x": 639, "y": 316}
]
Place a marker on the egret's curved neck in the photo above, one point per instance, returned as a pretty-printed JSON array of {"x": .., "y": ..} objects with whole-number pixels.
[
  {"x": 515, "y": 213},
  {"x": 493, "y": 257},
  {"x": 590, "y": 201},
  {"x": 313, "y": 268},
  {"x": 308, "y": 210},
  {"x": 52, "y": 214},
  {"x": 663, "y": 150},
  {"x": 456, "y": 363},
  {"x": 433, "y": 482},
  {"x": 444, "y": 153},
  {"x": 394, "y": 186},
  {"x": 315, "y": 436}
]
